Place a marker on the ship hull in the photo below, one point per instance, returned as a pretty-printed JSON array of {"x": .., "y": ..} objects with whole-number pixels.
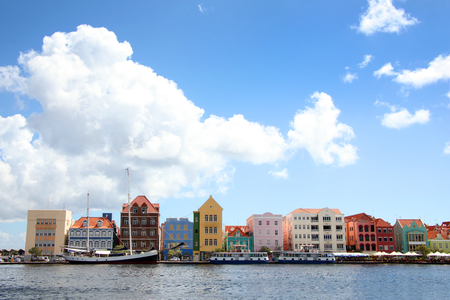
[{"x": 143, "y": 258}]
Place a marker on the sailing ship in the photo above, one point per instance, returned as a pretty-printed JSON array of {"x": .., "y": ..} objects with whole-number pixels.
[{"x": 89, "y": 256}]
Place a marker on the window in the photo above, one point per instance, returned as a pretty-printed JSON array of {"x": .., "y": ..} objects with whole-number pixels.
[
  {"x": 143, "y": 244},
  {"x": 338, "y": 219},
  {"x": 372, "y": 238},
  {"x": 210, "y": 230},
  {"x": 384, "y": 230},
  {"x": 327, "y": 237},
  {"x": 144, "y": 232},
  {"x": 185, "y": 227},
  {"x": 210, "y": 218},
  {"x": 307, "y": 227},
  {"x": 391, "y": 239},
  {"x": 125, "y": 221},
  {"x": 134, "y": 232},
  {"x": 144, "y": 211},
  {"x": 379, "y": 230},
  {"x": 134, "y": 244},
  {"x": 125, "y": 243},
  {"x": 185, "y": 236},
  {"x": 268, "y": 242},
  {"x": 178, "y": 227},
  {"x": 380, "y": 248},
  {"x": 276, "y": 232},
  {"x": 152, "y": 221},
  {"x": 215, "y": 242},
  {"x": 385, "y": 239},
  {"x": 296, "y": 236},
  {"x": 326, "y": 219},
  {"x": 304, "y": 227},
  {"x": 372, "y": 228},
  {"x": 206, "y": 242},
  {"x": 178, "y": 236},
  {"x": 361, "y": 238},
  {"x": 391, "y": 247},
  {"x": 135, "y": 221},
  {"x": 260, "y": 242},
  {"x": 206, "y": 230},
  {"x": 390, "y": 230},
  {"x": 259, "y": 222},
  {"x": 210, "y": 242},
  {"x": 295, "y": 227},
  {"x": 366, "y": 228},
  {"x": 135, "y": 210},
  {"x": 380, "y": 239},
  {"x": 276, "y": 222},
  {"x": 144, "y": 221},
  {"x": 215, "y": 230},
  {"x": 268, "y": 223},
  {"x": 339, "y": 227},
  {"x": 339, "y": 237},
  {"x": 327, "y": 227},
  {"x": 268, "y": 232},
  {"x": 360, "y": 228},
  {"x": 295, "y": 218},
  {"x": 215, "y": 218},
  {"x": 206, "y": 218},
  {"x": 259, "y": 232}
]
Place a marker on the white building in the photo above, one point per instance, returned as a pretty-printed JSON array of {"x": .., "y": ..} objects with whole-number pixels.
[{"x": 324, "y": 229}]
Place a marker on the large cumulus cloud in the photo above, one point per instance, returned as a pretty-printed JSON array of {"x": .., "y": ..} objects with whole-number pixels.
[{"x": 103, "y": 112}]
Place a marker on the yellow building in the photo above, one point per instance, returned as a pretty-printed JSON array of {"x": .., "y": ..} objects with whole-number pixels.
[
  {"x": 207, "y": 229},
  {"x": 47, "y": 229}
]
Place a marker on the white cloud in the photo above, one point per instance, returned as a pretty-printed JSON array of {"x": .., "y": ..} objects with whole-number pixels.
[
  {"x": 387, "y": 70},
  {"x": 437, "y": 70},
  {"x": 103, "y": 112},
  {"x": 367, "y": 59},
  {"x": 400, "y": 118},
  {"x": 201, "y": 9},
  {"x": 317, "y": 130},
  {"x": 8, "y": 241},
  {"x": 447, "y": 148},
  {"x": 349, "y": 77},
  {"x": 280, "y": 174},
  {"x": 382, "y": 16}
]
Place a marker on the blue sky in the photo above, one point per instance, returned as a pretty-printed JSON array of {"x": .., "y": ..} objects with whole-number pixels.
[{"x": 266, "y": 106}]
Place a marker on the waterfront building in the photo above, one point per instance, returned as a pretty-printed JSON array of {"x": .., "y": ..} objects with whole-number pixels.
[
  {"x": 174, "y": 232},
  {"x": 237, "y": 236},
  {"x": 144, "y": 224},
  {"x": 47, "y": 229},
  {"x": 323, "y": 229},
  {"x": 266, "y": 230},
  {"x": 207, "y": 229},
  {"x": 439, "y": 237},
  {"x": 385, "y": 236},
  {"x": 367, "y": 234},
  {"x": 102, "y": 233},
  {"x": 409, "y": 234}
]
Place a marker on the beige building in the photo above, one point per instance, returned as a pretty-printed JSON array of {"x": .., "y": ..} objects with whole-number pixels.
[
  {"x": 323, "y": 229},
  {"x": 47, "y": 229}
]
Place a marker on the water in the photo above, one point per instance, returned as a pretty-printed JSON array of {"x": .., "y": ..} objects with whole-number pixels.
[{"x": 224, "y": 281}]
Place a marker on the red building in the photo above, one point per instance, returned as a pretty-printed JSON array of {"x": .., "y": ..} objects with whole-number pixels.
[
  {"x": 144, "y": 224},
  {"x": 385, "y": 236}
]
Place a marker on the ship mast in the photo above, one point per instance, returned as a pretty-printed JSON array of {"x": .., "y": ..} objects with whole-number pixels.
[
  {"x": 87, "y": 244},
  {"x": 129, "y": 212}
]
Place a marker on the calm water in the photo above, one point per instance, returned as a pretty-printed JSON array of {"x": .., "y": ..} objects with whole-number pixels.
[{"x": 225, "y": 282}]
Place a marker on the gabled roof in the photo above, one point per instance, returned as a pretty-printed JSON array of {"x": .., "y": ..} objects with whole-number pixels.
[
  {"x": 209, "y": 202},
  {"x": 431, "y": 235},
  {"x": 382, "y": 223},
  {"x": 141, "y": 201},
  {"x": 231, "y": 230},
  {"x": 361, "y": 217},
  {"x": 315, "y": 210},
  {"x": 93, "y": 223},
  {"x": 408, "y": 222}
]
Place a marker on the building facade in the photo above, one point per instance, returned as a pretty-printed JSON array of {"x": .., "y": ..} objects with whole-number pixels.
[
  {"x": 144, "y": 224},
  {"x": 47, "y": 229},
  {"x": 177, "y": 231},
  {"x": 237, "y": 238},
  {"x": 322, "y": 229},
  {"x": 385, "y": 236},
  {"x": 208, "y": 222},
  {"x": 409, "y": 234},
  {"x": 102, "y": 233},
  {"x": 266, "y": 230}
]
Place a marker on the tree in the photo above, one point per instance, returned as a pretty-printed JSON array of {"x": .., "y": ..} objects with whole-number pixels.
[
  {"x": 424, "y": 250},
  {"x": 265, "y": 249},
  {"x": 218, "y": 250},
  {"x": 35, "y": 251},
  {"x": 174, "y": 252}
]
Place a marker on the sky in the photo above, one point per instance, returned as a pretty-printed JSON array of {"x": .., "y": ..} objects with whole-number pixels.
[{"x": 266, "y": 106}]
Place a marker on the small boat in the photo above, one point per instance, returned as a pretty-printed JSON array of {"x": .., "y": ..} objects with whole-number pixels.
[
  {"x": 287, "y": 257},
  {"x": 237, "y": 258},
  {"x": 89, "y": 256}
]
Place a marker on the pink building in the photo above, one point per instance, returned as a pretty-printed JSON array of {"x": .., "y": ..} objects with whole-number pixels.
[{"x": 267, "y": 231}]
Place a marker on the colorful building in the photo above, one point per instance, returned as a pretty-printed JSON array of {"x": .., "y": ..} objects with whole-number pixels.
[
  {"x": 409, "y": 234},
  {"x": 323, "y": 229},
  {"x": 174, "y": 232},
  {"x": 439, "y": 237},
  {"x": 367, "y": 234},
  {"x": 237, "y": 236},
  {"x": 266, "y": 230},
  {"x": 207, "y": 229},
  {"x": 144, "y": 224},
  {"x": 47, "y": 229},
  {"x": 102, "y": 233}
]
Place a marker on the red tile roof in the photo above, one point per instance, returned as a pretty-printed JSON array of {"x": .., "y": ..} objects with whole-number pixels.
[
  {"x": 93, "y": 223},
  {"x": 231, "y": 230},
  {"x": 431, "y": 235},
  {"x": 315, "y": 210},
  {"x": 142, "y": 201},
  {"x": 358, "y": 217},
  {"x": 382, "y": 223},
  {"x": 408, "y": 222}
]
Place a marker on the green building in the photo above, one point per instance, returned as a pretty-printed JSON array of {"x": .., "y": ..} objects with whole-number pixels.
[{"x": 409, "y": 234}]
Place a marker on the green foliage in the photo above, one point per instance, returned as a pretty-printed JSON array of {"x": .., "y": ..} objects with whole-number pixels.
[
  {"x": 174, "y": 252},
  {"x": 35, "y": 251},
  {"x": 265, "y": 249},
  {"x": 424, "y": 250},
  {"x": 219, "y": 250}
]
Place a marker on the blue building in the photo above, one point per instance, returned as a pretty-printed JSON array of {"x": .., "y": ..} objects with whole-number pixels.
[{"x": 176, "y": 231}]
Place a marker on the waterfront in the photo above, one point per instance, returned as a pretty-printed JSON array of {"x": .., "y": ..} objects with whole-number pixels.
[{"x": 166, "y": 281}]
